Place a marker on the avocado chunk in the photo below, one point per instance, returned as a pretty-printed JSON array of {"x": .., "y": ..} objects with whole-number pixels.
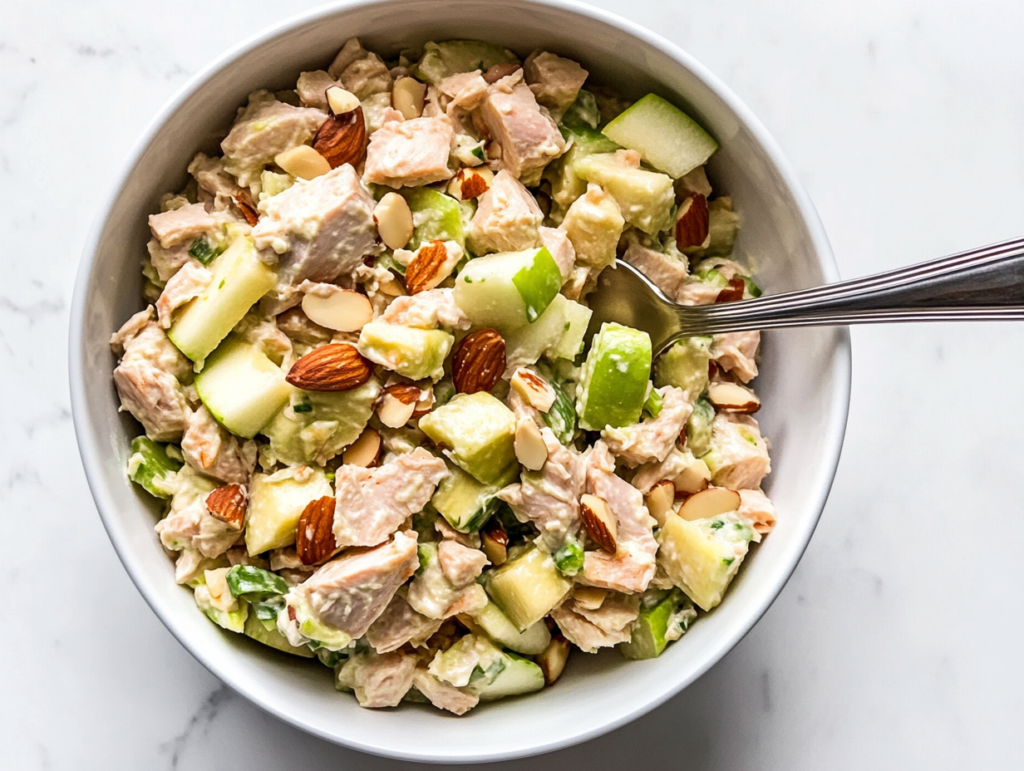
[
  {"x": 477, "y": 432},
  {"x": 440, "y": 60},
  {"x": 645, "y": 198},
  {"x": 276, "y": 502},
  {"x": 152, "y": 468},
  {"x": 685, "y": 365}
]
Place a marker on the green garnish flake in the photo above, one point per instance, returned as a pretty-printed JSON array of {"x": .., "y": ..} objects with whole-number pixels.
[
  {"x": 302, "y": 407},
  {"x": 478, "y": 153},
  {"x": 728, "y": 561},
  {"x": 423, "y": 553},
  {"x": 654, "y": 403},
  {"x": 752, "y": 440},
  {"x": 717, "y": 524},
  {"x": 267, "y": 611},
  {"x": 223, "y": 281},
  {"x": 254, "y": 583},
  {"x": 569, "y": 559},
  {"x": 752, "y": 289},
  {"x": 203, "y": 250}
]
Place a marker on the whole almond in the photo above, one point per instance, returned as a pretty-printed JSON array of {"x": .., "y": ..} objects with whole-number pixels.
[
  {"x": 314, "y": 535},
  {"x": 494, "y": 541},
  {"x": 428, "y": 268},
  {"x": 397, "y": 404},
  {"x": 552, "y": 660},
  {"x": 342, "y": 138},
  {"x": 228, "y": 504},
  {"x": 479, "y": 362},
  {"x": 334, "y": 367},
  {"x": 692, "y": 222},
  {"x": 599, "y": 522},
  {"x": 499, "y": 71}
]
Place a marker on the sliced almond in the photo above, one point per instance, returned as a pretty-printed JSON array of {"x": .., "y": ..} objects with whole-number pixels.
[
  {"x": 661, "y": 500},
  {"x": 494, "y": 541},
  {"x": 589, "y": 597},
  {"x": 693, "y": 222},
  {"x": 334, "y": 367},
  {"x": 336, "y": 308},
  {"x": 364, "y": 451},
  {"x": 303, "y": 162},
  {"x": 228, "y": 504},
  {"x": 534, "y": 389},
  {"x": 341, "y": 101},
  {"x": 693, "y": 478},
  {"x": 408, "y": 96},
  {"x": 470, "y": 183},
  {"x": 394, "y": 221},
  {"x": 529, "y": 446},
  {"x": 432, "y": 264},
  {"x": 314, "y": 535},
  {"x": 732, "y": 397},
  {"x": 425, "y": 403},
  {"x": 390, "y": 286},
  {"x": 600, "y": 523},
  {"x": 710, "y": 503},
  {"x": 397, "y": 404},
  {"x": 244, "y": 204},
  {"x": 552, "y": 660}
]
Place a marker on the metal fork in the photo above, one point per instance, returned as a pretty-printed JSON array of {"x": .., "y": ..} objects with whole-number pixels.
[{"x": 985, "y": 284}]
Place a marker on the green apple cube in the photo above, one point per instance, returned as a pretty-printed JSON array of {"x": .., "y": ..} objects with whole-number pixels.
[
  {"x": 613, "y": 386},
  {"x": 276, "y": 501},
  {"x": 702, "y": 556},
  {"x": 152, "y": 468},
  {"x": 698, "y": 427},
  {"x": 518, "y": 676},
  {"x": 685, "y": 365},
  {"x": 255, "y": 629},
  {"x": 577, "y": 320},
  {"x": 240, "y": 279},
  {"x": 440, "y": 60},
  {"x": 566, "y": 184},
  {"x": 508, "y": 290},
  {"x": 412, "y": 353},
  {"x": 477, "y": 432},
  {"x": 241, "y": 387},
  {"x": 665, "y": 136},
  {"x": 645, "y": 198},
  {"x": 593, "y": 224},
  {"x": 533, "y": 642},
  {"x": 673, "y": 612},
  {"x": 320, "y": 424},
  {"x": 463, "y": 501},
  {"x": 527, "y": 588},
  {"x": 547, "y": 335},
  {"x": 435, "y": 217}
]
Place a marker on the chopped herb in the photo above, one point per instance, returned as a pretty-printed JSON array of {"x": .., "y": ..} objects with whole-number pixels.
[
  {"x": 728, "y": 561},
  {"x": 569, "y": 559},
  {"x": 223, "y": 281},
  {"x": 752, "y": 289},
  {"x": 254, "y": 583},
  {"x": 478, "y": 153},
  {"x": 717, "y": 524},
  {"x": 203, "y": 250},
  {"x": 424, "y": 556},
  {"x": 302, "y": 407},
  {"x": 752, "y": 440},
  {"x": 468, "y": 279}
]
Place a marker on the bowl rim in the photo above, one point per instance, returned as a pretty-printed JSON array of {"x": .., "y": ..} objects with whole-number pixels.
[{"x": 833, "y": 440}]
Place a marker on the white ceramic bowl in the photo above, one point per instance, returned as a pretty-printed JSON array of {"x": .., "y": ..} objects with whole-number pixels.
[{"x": 805, "y": 385}]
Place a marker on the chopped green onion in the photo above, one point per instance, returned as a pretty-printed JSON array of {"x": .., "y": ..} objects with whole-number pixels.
[
  {"x": 203, "y": 250},
  {"x": 254, "y": 583}
]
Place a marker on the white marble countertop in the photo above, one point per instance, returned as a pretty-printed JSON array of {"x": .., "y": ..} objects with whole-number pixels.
[{"x": 895, "y": 645}]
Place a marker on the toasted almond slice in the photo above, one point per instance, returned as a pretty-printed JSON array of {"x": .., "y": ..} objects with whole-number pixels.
[
  {"x": 364, "y": 451},
  {"x": 660, "y": 500},
  {"x": 692, "y": 222},
  {"x": 534, "y": 389},
  {"x": 731, "y": 397},
  {"x": 470, "y": 183},
  {"x": 390, "y": 286},
  {"x": 408, "y": 96},
  {"x": 693, "y": 479},
  {"x": 394, "y": 221},
  {"x": 552, "y": 660},
  {"x": 303, "y": 162},
  {"x": 589, "y": 597},
  {"x": 494, "y": 541},
  {"x": 600, "y": 522},
  {"x": 336, "y": 308},
  {"x": 314, "y": 534},
  {"x": 397, "y": 404},
  {"x": 710, "y": 503},
  {"x": 425, "y": 403},
  {"x": 341, "y": 101},
  {"x": 529, "y": 446}
]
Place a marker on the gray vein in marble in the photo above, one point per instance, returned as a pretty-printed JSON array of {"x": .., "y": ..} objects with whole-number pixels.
[
  {"x": 199, "y": 723},
  {"x": 33, "y": 311}
]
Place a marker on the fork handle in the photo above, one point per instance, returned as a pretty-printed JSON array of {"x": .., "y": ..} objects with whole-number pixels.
[{"x": 980, "y": 284}]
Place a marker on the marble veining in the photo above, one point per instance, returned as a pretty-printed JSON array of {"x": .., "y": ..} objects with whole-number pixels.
[{"x": 896, "y": 643}]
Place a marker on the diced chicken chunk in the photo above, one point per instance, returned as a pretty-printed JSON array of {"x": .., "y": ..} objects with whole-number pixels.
[
  {"x": 398, "y": 625},
  {"x": 653, "y": 439},
  {"x": 556, "y": 82},
  {"x": 321, "y": 229},
  {"x": 757, "y": 509},
  {"x": 669, "y": 274},
  {"x": 507, "y": 218},
  {"x": 739, "y": 455},
  {"x": 379, "y": 680},
  {"x": 265, "y": 128},
  {"x": 147, "y": 379},
  {"x": 466, "y": 89},
  {"x": 267, "y": 336},
  {"x": 215, "y": 182},
  {"x": 182, "y": 225},
  {"x": 188, "y": 524},
  {"x": 529, "y": 139},
  {"x": 167, "y": 262},
  {"x": 632, "y": 566},
  {"x": 312, "y": 88},
  {"x": 442, "y": 695},
  {"x": 435, "y": 596},
  {"x": 409, "y": 152},
  {"x": 561, "y": 249},
  {"x": 212, "y": 450},
  {"x": 373, "y": 503},
  {"x": 460, "y": 564},
  {"x": 351, "y": 591},
  {"x": 550, "y": 497},
  {"x": 696, "y": 292},
  {"x": 589, "y": 629},
  {"x": 449, "y": 533},
  {"x": 736, "y": 352},
  {"x": 360, "y": 71},
  {"x": 648, "y": 475},
  {"x": 191, "y": 281},
  {"x": 426, "y": 310}
]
